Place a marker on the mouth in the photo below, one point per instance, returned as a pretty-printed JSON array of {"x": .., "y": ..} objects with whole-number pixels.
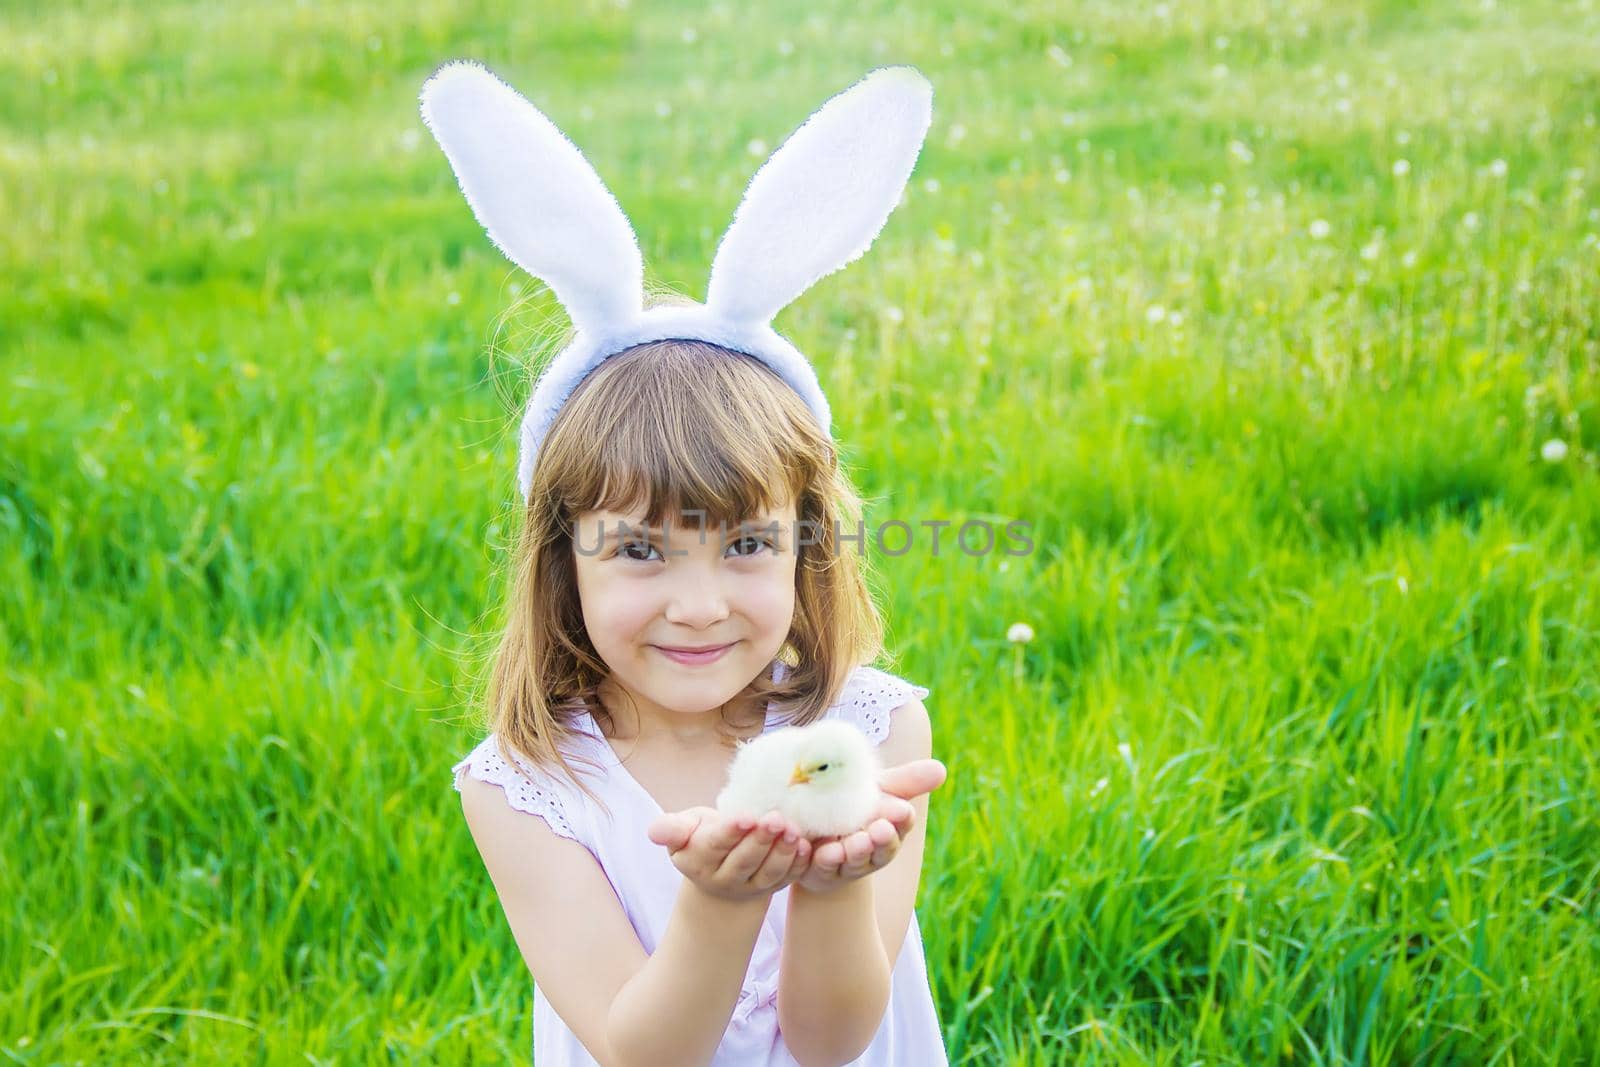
[
  {"x": 800, "y": 777},
  {"x": 694, "y": 656}
]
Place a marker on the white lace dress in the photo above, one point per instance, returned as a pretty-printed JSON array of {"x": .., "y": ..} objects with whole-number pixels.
[{"x": 646, "y": 884}]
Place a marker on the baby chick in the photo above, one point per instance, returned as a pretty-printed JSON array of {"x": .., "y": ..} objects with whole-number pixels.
[{"x": 822, "y": 777}]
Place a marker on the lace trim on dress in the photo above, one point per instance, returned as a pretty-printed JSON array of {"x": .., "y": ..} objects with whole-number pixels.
[
  {"x": 520, "y": 783},
  {"x": 870, "y": 696}
]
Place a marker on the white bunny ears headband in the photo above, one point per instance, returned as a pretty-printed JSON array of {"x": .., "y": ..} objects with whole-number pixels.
[{"x": 815, "y": 205}]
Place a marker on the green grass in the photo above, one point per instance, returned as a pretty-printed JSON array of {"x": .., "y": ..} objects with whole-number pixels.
[{"x": 1301, "y": 764}]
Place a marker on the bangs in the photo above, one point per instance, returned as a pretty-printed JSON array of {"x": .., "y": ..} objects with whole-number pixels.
[{"x": 672, "y": 427}]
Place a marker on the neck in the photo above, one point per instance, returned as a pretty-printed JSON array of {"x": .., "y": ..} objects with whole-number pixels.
[{"x": 633, "y": 718}]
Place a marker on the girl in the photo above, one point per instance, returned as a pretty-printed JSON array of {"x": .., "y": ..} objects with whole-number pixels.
[{"x": 684, "y": 583}]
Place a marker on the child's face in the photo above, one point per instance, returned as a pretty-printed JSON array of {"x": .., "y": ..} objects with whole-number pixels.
[{"x": 692, "y": 586}]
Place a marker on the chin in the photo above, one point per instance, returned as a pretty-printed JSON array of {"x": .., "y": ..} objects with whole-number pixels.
[{"x": 694, "y": 689}]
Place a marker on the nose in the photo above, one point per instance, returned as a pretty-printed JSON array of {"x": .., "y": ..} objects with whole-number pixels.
[{"x": 697, "y": 600}]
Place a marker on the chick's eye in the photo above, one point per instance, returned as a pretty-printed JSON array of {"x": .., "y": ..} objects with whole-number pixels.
[{"x": 822, "y": 767}]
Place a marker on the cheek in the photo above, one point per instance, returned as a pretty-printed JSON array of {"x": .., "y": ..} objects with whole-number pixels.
[
  {"x": 770, "y": 599},
  {"x": 612, "y": 613}
]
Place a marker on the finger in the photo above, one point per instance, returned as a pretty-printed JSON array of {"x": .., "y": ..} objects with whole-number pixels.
[
  {"x": 901, "y": 814},
  {"x": 881, "y": 856},
  {"x": 779, "y": 861},
  {"x": 857, "y": 847},
  {"x": 830, "y": 856},
  {"x": 724, "y": 832},
  {"x": 747, "y": 855},
  {"x": 913, "y": 779},
  {"x": 882, "y": 852},
  {"x": 673, "y": 830},
  {"x": 802, "y": 859},
  {"x": 882, "y": 832}
]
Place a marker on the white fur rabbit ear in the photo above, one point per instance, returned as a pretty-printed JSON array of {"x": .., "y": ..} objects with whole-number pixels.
[
  {"x": 541, "y": 202},
  {"x": 820, "y": 200}
]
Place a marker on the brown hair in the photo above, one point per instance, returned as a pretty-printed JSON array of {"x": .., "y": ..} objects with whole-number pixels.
[{"x": 665, "y": 427}]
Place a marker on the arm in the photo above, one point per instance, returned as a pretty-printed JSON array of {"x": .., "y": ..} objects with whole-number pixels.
[
  {"x": 833, "y": 980},
  {"x": 676, "y": 1008},
  {"x": 839, "y": 947},
  {"x": 626, "y": 1007}
]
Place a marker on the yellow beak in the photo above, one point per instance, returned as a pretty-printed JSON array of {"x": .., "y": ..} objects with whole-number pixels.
[{"x": 800, "y": 776}]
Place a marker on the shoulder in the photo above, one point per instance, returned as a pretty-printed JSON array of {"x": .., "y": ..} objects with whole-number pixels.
[
  {"x": 887, "y": 708},
  {"x": 489, "y": 782}
]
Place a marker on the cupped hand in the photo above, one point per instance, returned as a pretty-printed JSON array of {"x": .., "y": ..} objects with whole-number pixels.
[
  {"x": 732, "y": 858},
  {"x": 839, "y": 860}
]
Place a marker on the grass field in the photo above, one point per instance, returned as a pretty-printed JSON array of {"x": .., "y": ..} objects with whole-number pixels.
[{"x": 1275, "y": 319}]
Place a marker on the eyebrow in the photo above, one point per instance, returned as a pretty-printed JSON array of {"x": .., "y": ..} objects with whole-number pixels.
[{"x": 615, "y": 528}]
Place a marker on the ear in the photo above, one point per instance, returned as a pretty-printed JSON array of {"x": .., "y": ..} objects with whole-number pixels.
[
  {"x": 820, "y": 200},
  {"x": 541, "y": 202}
]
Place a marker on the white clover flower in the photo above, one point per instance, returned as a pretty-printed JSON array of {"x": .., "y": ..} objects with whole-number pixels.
[
  {"x": 1319, "y": 229},
  {"x": 690, "y": 35},
  {"x": 1401, "y": 168},
  {"x": 1554, "y": 450},
  {"x": 757, "y": 147},
  {"x": 1241, "y": 151},
  {"x": 452, "y": 298},
  {"x": 1020, "y": 633},
  {"x": 894, "y": 314},
  {"x": 1498, "y": 168},
  {"x": 663, "y": 108},
  {"x": 1155, "y": 313}
]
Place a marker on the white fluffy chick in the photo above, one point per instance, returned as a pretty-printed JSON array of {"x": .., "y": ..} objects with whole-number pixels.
[{"x": 822, "y": 777}]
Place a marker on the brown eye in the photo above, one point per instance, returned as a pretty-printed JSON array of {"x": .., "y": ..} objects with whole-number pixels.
[
  {"x": 758, "y": 542},
  {"x": 625, "y": 552}
]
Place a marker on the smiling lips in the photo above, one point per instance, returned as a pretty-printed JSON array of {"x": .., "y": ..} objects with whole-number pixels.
[{"x": 694, "y": 657}]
